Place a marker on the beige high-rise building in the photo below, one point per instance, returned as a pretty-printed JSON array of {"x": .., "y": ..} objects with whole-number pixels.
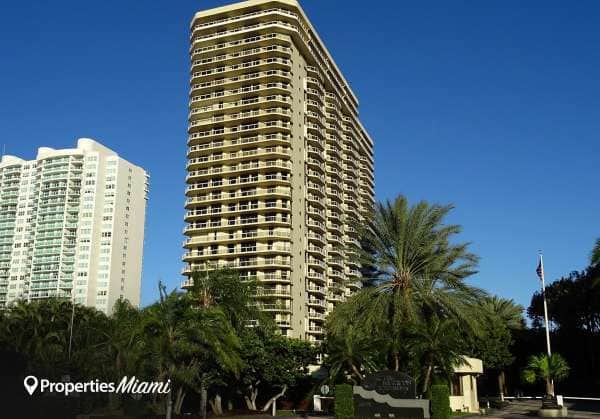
[
  {"x": 278, "y": 161},
  {"x": 72, "y": 225}
]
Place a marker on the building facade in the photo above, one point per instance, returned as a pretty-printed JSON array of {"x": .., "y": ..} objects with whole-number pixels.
[
  {"x": 72, "y": 225},
  {"x": 278, "y": 165}
]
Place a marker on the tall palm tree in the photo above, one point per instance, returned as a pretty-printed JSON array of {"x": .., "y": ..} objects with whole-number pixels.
[
  {"x": 419, "y": 268},
  {"x": 595, "y": 256},
  {"x": 549, "y": 369}
]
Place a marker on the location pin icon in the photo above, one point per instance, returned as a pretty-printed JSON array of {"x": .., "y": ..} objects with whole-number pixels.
[{"x": 30, "y": 382}]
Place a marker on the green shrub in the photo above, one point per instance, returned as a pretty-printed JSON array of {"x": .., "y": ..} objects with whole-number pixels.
[
  {"x": 440, "y": 402},
  {"x": 344, "y": 405}
]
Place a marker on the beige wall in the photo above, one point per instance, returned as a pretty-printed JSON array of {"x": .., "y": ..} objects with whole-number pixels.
[{"x": 467, "y": 374}]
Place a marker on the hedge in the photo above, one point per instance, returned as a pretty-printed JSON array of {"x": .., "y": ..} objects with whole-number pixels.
[
  {"x": 440, "y": 402},
  {"x": 343, "y": 404}
]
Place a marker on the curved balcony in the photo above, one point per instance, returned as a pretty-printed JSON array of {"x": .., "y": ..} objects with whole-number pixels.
[
  {"x": 260, "y": 207},
  {"x": 234, "y": 196},
  {"x": 239, "y": 156},
  {"x": 273, "y": 307},
  {"x": 316, "y": 316},
  {"x": 261, "y": 115},
  {"x": 314, "y": 302},
  {"x": 225, "y": 238},
  {"x": 317, "y": 238},
  {"x": 228, "y": 183},
  {"x": 255, "y": 128},
  {"x": 238, "y": 81},
  {"x": 317, "y": 290},
  {"x": 260, "y": 64},
  {"x": 241, "y": 168},
  {"x": 195, "y": 255},
  {"x": 317, "y": 250},
  {"x": 315, "y": 176},
  {"x": 227, "y": 224},
  {"x": 255, "y": 263},
  {"x": 238, "y": 57},
  {"x": 272, "y": 292},
  {"x": 315, "y": 225},
  {"x": 316, "y": 263},
  {"x": 243, "y": 105},
  {"x": 239, "y": 94},
  {"x": 268, "y": 38},
  {"x": 315, "y": 140}
]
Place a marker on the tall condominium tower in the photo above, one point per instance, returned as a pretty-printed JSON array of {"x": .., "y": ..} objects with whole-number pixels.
[
  {"x": 72, "y": 225},
  {"x": 278, "y": 162}
]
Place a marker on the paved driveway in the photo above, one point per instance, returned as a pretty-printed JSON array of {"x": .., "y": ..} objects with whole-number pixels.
[{"x": 528, "y": 409}]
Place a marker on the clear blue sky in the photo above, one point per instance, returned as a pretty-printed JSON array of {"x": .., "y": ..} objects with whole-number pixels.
[{"x": 493, "y": 106}]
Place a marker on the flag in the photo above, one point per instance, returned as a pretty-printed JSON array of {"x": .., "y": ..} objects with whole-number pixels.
[{"x": 540, "y": 270}]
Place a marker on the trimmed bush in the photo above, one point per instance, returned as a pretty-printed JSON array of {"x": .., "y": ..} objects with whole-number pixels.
[
  {"x": 344, "y": 404},
  {"x": 440, "y": 402}
]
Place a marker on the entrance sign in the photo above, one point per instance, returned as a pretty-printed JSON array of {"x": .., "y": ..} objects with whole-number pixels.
[{"x": 389, "y": 394}]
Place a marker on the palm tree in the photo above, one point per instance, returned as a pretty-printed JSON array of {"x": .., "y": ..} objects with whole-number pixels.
[
  {"x": 546, "y": 368},
  {"x": 595, "y": 256},
  {"x": 503, "y": 313},
  {"x": 352, "y": 353},
  {"x": 182, "y": 337},
  {"x": 509, "y": 312},
  {"x": 438, "y": 344},
  {"x": 419, "y": 268},
  {"x": 40, "y": 331},
  {"x": 226, "y": 289}
]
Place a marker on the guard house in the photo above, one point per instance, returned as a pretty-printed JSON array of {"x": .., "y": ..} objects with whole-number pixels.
[{"x": 463, "y": 389}]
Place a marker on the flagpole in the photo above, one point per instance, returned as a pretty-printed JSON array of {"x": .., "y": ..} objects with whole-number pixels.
[{"x": 545, "y": 306}]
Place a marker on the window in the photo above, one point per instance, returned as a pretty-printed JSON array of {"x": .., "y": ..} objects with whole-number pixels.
[{"x": 456, "y": 385}]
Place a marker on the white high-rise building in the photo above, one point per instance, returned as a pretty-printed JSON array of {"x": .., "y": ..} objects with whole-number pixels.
[{"x": 72, "y": 225}]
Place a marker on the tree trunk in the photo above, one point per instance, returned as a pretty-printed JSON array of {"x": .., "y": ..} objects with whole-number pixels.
[
  {"x": 203, "y": 397},
  {"x": 169, "y": 406},
  {"x": 355, "y": 371},
  {"x": 502, "y": 390},
  {"x": 274, "y": 398},
  {"x": 549, "y": 387},
  {"x": 215, "y": 405},
  {"x": 427, "y": 378},
  {"x": 396, "y": 362},
  {"x": 251, "y": 401},
  {"x": 179, "y": 400}
]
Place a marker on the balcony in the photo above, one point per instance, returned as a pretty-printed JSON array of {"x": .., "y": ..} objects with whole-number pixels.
[
  {"x": 237, "y": 81},
  {"x": 264, "y": 262},
  {"x": 273, "y": 192},
  {"x": 256, "y": 114},
  {"x": 240, "y": 167},
  {"x": 230, "y": 70},
  {"x": 236, "y": 57},
  {"x": 224, "y": 184},
  {"x": 208, "y": 253},
  {"x": 196, "y": 241}
]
